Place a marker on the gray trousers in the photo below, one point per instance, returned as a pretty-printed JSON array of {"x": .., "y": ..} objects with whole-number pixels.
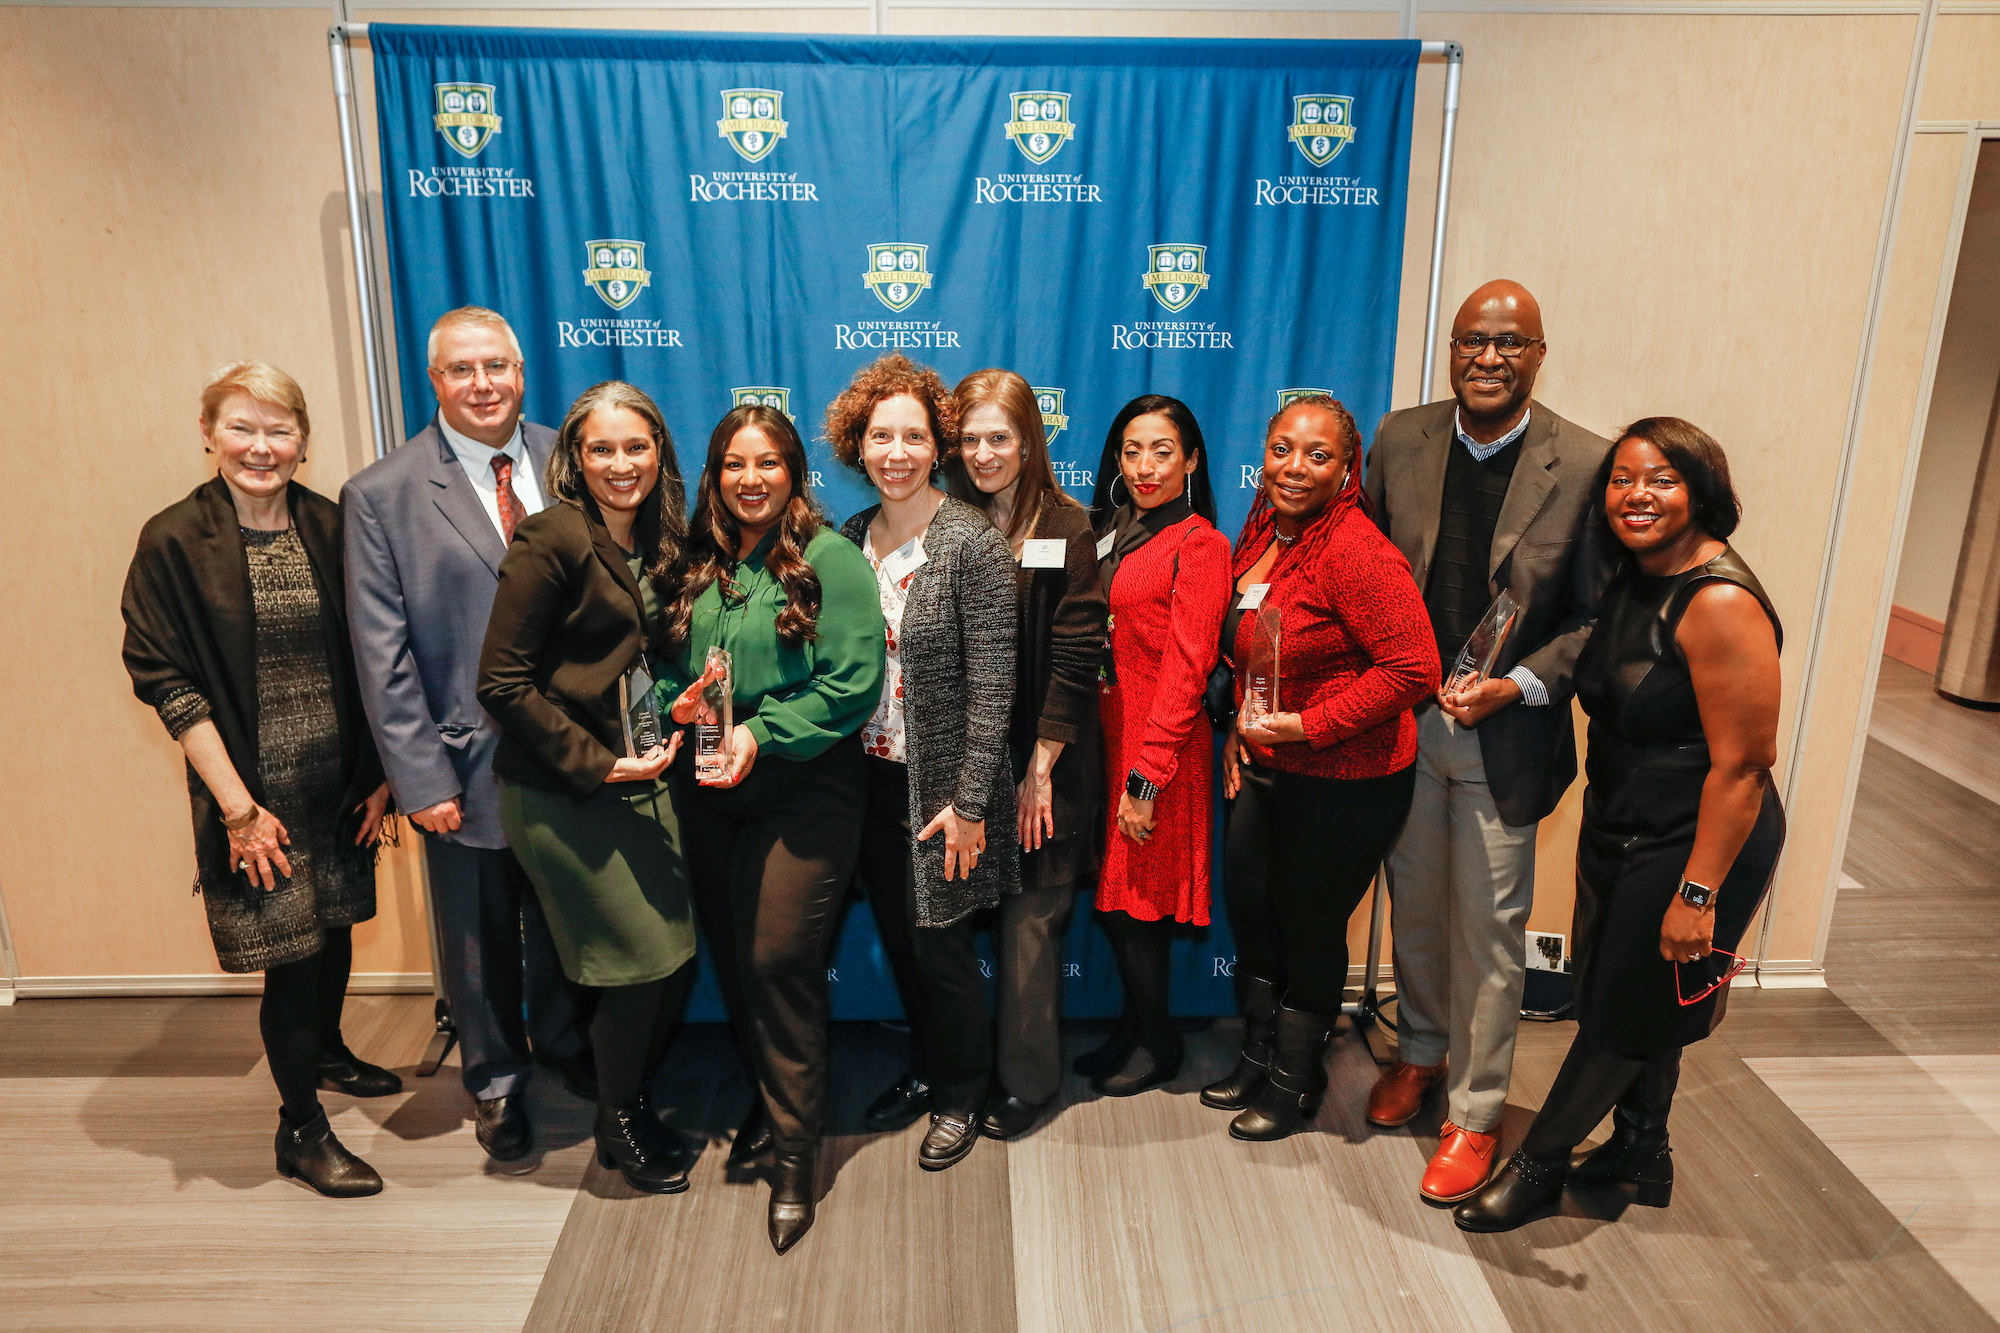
[
  {"x": 1461, "y": 884},
  {"x": 502, "y": 978},
  {"x": 1029, "y": 939}
]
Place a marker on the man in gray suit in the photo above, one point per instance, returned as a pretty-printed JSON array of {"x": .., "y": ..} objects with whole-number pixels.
[
  {"x": 1486, "y": 493},
  {"x": 425, "y": 530}
]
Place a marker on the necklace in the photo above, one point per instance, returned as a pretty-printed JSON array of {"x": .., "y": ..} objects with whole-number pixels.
[{"x": 1283, "y": 540}]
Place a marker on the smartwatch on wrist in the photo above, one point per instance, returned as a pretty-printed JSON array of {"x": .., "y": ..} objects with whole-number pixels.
[
  {"x": 1138, "y": 788},
  {"x": 1697, "y": 895}
]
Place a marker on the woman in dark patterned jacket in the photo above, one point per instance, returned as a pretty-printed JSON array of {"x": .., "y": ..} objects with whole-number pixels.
[
  {"x": 937, "y": 839},
  {"x": 1319, "y": 785},
  {"x": 236, "y": 633}
]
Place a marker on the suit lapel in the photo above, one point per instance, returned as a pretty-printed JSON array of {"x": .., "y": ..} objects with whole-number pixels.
[
  {"x": 460, "y": 505},
  {"x": 1429, "y": 466},
  {"x": 1532, "y": 484},
  {"x": 614, "y": 560}
]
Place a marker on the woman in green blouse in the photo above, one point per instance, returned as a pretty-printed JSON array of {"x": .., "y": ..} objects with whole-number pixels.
[{"x": 771, "y": 844}]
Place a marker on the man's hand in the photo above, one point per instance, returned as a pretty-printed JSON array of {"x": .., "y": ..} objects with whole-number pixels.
[
  {"x": 1470, "y": 707},
  {"x": 444, "y": 817}
]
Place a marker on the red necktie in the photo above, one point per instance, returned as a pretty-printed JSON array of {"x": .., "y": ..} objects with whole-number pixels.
[{"x": 512, "y": 511}]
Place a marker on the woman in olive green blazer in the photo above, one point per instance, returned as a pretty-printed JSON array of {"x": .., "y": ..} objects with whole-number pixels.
[
  {"x": 593, "y": 823},
  {"x": 771, "y": 844}
]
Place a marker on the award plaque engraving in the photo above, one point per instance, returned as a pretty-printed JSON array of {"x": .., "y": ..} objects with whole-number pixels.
[
  {"x": 1260, "y": 666},
  {"x": 1475, "y": 661},
  {"x": 640, "y": 710},
  {"x": 714, "y": 719}
]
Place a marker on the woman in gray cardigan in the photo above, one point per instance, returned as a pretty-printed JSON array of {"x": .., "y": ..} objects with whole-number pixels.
[{"x": 938, "y": 840}]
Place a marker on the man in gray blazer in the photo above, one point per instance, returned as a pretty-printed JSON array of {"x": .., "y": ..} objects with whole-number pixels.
[
  {"x": 425, "y": 531},
  {"x": 1486, "y": 493}
]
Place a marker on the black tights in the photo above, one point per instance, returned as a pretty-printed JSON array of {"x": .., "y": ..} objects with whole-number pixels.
[
  {"x": 630, "y": 1031},
  {"x": 300, "y": 1020},
  {"x": 1142, "y": 949}
]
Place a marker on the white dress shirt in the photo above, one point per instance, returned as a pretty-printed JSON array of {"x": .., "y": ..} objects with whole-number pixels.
[
  {"x": 1533, "y": 693},
  {"x": 477, "y": 460}
]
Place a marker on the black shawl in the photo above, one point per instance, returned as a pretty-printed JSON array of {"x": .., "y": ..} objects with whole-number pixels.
[{"x": 190, "y": 624}]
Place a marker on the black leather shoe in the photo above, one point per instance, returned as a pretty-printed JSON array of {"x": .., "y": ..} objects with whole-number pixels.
[
  {"x": 754, "y": 1137},
  {"x": 578, "y": 1072},
  {"x": 950, "y": 1138},
  {"x": 1525, "y": 1187},
  {"x": 651, "y": 1157},
  {"x": 341, "y": 1070},
  {"x": 1150, "y": 1065},
  {"x": 502, "y": 1126},
  {"x": 1008, "y": 1117},
  {"x": 906, "y": 1099},
  {"x": 311, "y": 1153},
  {"x": 791, "y": 1214}
]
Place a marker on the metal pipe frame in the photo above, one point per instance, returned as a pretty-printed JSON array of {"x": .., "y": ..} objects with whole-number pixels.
[
  {"x": 1454, "y": 55},
  {"x": 340, "y": 53}
]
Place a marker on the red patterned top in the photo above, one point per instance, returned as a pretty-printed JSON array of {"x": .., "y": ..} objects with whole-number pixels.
[
  {"x": 1166, "y": 624},
  {"x": 1355, "y": 645}
]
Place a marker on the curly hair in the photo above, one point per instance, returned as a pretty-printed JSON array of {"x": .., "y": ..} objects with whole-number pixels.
[
  {"x": 715, "y": 534},
  {"x": 892, "y": 376}
]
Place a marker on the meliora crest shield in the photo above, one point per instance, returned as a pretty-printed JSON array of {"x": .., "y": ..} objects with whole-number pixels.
[
  {"x": 753, "y": 120},
  {"x": 465, "y": 116},
  {"x": 1176, "y": 274},
  {"x": 617, "y": 271},
  {"x": 1049, "y": 402},
  {"x": 896, "y": 273},
  {"x": 763, "y": 395},
  {"x": 1322, "y": 125},
  {"x": 1286, "y": 397},
  {"x": 1040, "y": 125}
]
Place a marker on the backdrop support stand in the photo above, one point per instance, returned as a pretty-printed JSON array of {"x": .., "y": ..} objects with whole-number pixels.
[{"x": 1454, "y": 55}]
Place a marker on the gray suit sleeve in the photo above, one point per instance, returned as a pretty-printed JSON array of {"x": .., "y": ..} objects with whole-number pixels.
[
  {"x": 1554, "y": 663},
  {"x": 417, "y": 763},
  {"x": 985, "y": 575}
]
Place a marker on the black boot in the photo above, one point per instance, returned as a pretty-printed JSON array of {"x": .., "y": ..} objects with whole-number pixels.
[
  {"x": 1291, "y": 1096},
  {"x": 756, "y": 1135},
  {"x": 341, "y": 1070},
  {"x": 1637, "y": 1152},
  {"x": 1258, "y": 999},
  {"x": 1524, "y": 1187},
  {"x": 1154, "y": 1060},
  {"x": 651, "y": 1157},
  {"x": 1117, "y": 1049},
  {"x": 311, "y": 1153},
  {"x": 791, "y": 1213}
]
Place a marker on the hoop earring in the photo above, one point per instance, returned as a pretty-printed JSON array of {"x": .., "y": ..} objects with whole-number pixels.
[{"x": 1116, "y": 482}]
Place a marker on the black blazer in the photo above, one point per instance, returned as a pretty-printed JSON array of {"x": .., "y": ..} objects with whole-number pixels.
[{"x": 568, "y": 622}]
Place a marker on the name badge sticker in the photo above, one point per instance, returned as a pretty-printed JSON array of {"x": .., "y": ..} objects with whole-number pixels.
[
  {"x": 1106, "y": 542},
  {"x": 1044, "y": 553},
  {"x": 1253, "y": 596}
]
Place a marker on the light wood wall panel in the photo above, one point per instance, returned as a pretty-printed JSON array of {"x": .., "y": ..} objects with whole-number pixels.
[{"x": 1963, "y": 79}]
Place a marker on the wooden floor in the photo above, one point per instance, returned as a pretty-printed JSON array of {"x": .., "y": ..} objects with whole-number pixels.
[{"x": 1838, "y": 1157}]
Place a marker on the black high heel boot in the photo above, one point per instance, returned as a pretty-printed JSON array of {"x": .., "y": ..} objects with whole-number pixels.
[
  {"x": 1524, "y": 1187},
  {"x": 791, "y": 1214},
  {"x": 651, "y": 1157},
  {"x": 756, "y": 1135},
  {"x": 1111, "y": 1056},
  {"x": 311, "y": 1153},
  {"x": 1258, "y": 999},
  {"x": 1638, "y": 1152},
  {"x": 1291, "y": 1096}
]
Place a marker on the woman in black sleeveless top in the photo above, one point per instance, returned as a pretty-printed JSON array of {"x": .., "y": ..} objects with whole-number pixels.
[{"x": 1681, "y": 822}]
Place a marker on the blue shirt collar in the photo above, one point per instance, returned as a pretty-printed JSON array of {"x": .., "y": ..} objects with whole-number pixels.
[{"x": 1482, "y": 452}]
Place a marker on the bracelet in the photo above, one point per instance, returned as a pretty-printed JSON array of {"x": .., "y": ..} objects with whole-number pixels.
[
  {"x": 241, "y": 822},
  {"x": 1138, "y": 788}
]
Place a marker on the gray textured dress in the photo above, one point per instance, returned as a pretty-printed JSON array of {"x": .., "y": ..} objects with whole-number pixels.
[{"x": 299, "y": 764}]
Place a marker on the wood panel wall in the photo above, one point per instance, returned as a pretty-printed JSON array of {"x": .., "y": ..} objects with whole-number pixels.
[{"x": 1696, "y": 198}]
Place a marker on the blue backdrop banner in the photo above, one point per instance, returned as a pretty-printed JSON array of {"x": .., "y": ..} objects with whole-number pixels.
[{"x": 718, "y": 218}]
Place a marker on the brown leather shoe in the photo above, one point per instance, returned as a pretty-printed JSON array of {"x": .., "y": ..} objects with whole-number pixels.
[
  {"x": 1399, "y": 1093},
  {"x": 1464, "y": 1162}
]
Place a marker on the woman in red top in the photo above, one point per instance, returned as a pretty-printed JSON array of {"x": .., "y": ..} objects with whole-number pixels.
[
  {"x": 1318, "y": 786},
  {"x": 1166, "y": 569}
]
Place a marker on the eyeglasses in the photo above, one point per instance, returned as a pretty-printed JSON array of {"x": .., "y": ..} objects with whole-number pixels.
[
  {"x": 1736, "y": 965},
  {"x": 458, "y": 372},
  {"x": 1509, "y": 345}
]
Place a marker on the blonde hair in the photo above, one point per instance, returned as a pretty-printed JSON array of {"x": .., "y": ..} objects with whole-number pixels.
[
  {"x": 258, "y": 380},
  {"x": 477, "y": 316}
]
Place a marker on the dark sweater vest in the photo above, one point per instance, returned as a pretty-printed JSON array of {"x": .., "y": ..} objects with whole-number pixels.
[{"x": 1458, "y": 592}]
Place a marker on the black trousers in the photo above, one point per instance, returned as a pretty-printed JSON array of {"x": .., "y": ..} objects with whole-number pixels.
[
  {"x": 937, "y": 972},
  {"x": 1302, "y": 852},
  {"x": 299, "y": 1019},
  {"x": 769, "y": 862}
]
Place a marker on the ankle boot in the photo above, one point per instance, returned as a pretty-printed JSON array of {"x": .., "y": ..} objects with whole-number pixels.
[
  {"x": 1637, "y": 1152},
  {"x": 1116, "y": 1050},
  {"x": 1259, "y": 1002},
  {"x": 341, "y": 1070},
  {"x": 651, "y": 1157},
  {"x": 1154, "y": 1060},
  {"x": 791, "y": 1213},
  {"x": 311, "y": 1153},
  {"x": 756, "y": 1135},
  {"x": 1524, "y": 1187},
  {"x": 1291, "y": 1096}
]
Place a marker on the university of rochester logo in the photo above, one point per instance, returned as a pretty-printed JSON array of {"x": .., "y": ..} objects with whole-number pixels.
[
  {"x": 896, "y": 273},
  {"x": 465, "y": 116},
  {"x": 763, "y": 395},
  {"x": 752, "y": 120},
  {"x": 617, "y": 271},
  {"x": 1050, "y": 403},
  {"x": 1041, "y": 125},
  {"x": 1322, "y": 125},
  {"x": 1176, "y": 274},
  {"x": 1286, "y": 397}
]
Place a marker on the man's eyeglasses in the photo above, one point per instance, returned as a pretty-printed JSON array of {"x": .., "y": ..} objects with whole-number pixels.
[
  {"x": 458, "y": 372},
  {"x": 1509, "y": 345},
  {"x": 1736, "y": 964}
]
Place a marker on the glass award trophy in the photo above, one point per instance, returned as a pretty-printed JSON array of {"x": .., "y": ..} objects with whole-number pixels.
[
  {"x": 1475, "y": 661},
  {"x": 640, "y": 710},
  {"x": 1260, "y": 666},
  {"x": 714, "y": 719}
]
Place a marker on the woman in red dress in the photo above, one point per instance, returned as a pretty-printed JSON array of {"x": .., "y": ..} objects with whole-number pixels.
[{"x": 1166, "y": 569}]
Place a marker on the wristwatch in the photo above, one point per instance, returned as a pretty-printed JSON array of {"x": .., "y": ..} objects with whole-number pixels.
[
  {"x": 1697, "y": 895},
  {"x": 1138, "y": 788}
]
